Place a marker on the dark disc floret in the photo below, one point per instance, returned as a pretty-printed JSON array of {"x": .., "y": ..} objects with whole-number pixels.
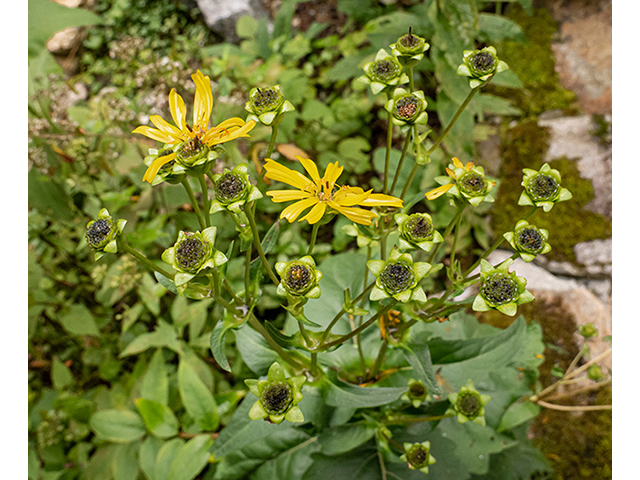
[
  {"x": 230, "y": 187},
  {"x": 419, "y": 228},
  {"x": 483, "y": 62},
  {"x": 98, "y": 232},
  {"x": 499, "y": 288},
  {"x": 530, "y": 239},
  {"x": 191, "y": 253},
  {"x": 190, "y": 149},
  {"x": 543, "y": 187},
  {"x": 468, "y": 404},
  {"x": 418, "y": 456},
  {"x": 473, "y": 184},
  {"x": 276, "y": 398},
  {"x": 298, "y": 278},
  {"x": 397, "y": 277},
  {"x": 417, "y": 390},
  {"x": 266, "y": 99},
  {"x": 407, "y": 108},
  {"x": 410, "y": 41},
  {"x": 385, "y": 70}
]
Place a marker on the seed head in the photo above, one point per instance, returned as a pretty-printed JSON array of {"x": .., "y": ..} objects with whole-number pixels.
[
  {"x": 266, "y": 99},
  {"x": 397, "y": 277},
  {"x": 469, "y": 404},
  {"x": 419, "y": 227},
  {"x": 230, "y": 187},
  {"x": 499, "y": 288},
  {"x": 543, "y": 187},
  {"x": 98, "y": 232},
  {"x": 483, "y": 62},
  {"x": 191, "y": 253},
  {"x": 276, "y": 398},
  {"x": 407, "y": 108},
  {"x": 418, "y": 456},
  {"x": 530, "y": 239},
  {"x": 473, "y": 184},
  {"x": 384, "y": 70},
  {"x": 298, "y": 278}
]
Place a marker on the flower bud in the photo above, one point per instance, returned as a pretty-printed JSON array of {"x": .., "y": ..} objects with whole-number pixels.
[
  {"x": 299, "y": 278},
  {"x": 416, "y": 231},
  {"x": 399, "y": 277},
  {"x": 481, "y": 65},
  {"x": 417, "y": 393},
  {"x": 595, "y": 373},
  {"x": 278, "y": 396},
  {"x": 102, "y": 233},
  {"x": 232, "y": 189},
  {"x": 500, "y": 289},
  {"x": 409, "y": 48},
  {"x": 542, "y": 188},
  {"x": 528, "y": 240},
  {"x": 267, "y": 104},
  {"x": 383, "y": 72},
  {"x": 588, "y": 330},
  {"x": 418, "y": 456},
  {"x": 468, "y": 404}
]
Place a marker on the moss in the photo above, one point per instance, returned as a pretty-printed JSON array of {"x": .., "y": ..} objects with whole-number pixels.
[
  {"x": 534, "y": 63},
  {"x": 526, "y": 145}
]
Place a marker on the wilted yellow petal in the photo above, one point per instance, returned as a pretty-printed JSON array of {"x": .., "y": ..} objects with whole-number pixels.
[
  {"x": 468, "y": 166},
  {"x": 435, "y": 193},
  {"x": 291, "y": 151},
  {"x": 156, "y": 165}
]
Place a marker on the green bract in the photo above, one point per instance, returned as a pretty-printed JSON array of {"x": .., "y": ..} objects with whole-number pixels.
[
  {"x": 267, "y": 104},
  {"x": 468, "y": 404},
  {"x": 417, "y": 393},
  {"x": 299, "y": 278},
  {"x": 528, "y": 240},
  {"x": 470, "y": 185},
  {"x": 102, "y": 233},
  {"x": 416, "y": 231},
  {"x": 398, "y": 277},
  {"x": 481, "y": 65},
  {"x": 418, "y": 456},
  {"x": 365, "y": 235},
  {"x": 542, "y": 188},
  {"x": 407, "y": 108},
  {"x": 500, "y": 289},
  {"x": 409, "y": 49},
  {"x": 383, "y": 72},
  {"x": 278, "y": 396},
  {"x": 232, "y": 189},
  {"x": 192, "y": 253}
]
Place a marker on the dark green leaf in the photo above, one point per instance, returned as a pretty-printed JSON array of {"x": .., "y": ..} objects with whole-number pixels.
[
  {"x": 339, "y": 440},
  {"x": 418, "y": 356},
  {"x": 494, "y": 28},
  {"x": 341, "y": 394},
  {"x": 78, "y": 320},
  {"x": 166, "y": 283},
  {"x": 254, "y": 350},
  {"x": 166, "y": 455},
  {"x": 517, "y": 414}
]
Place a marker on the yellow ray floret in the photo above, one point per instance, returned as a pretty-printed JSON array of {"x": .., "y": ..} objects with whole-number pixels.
[
  {"x": 321, "y": 194},
  {"x": 183, "y": 132}
]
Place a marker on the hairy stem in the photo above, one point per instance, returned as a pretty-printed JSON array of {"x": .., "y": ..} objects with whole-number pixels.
[{"x": 194, "y": 203}]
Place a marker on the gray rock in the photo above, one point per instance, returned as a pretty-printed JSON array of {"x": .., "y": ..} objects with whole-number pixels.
[
  {"x": 595, "y": 256},
  {"x": 221, "y": 15}
]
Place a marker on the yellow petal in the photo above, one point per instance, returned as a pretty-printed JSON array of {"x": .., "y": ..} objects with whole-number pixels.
[
  {"x": 457, "y": 163},
  {"x": 178, "y": 109},
  {"x": 280, "y": 173},
  {"x": 165, "y": 126},
  {"x": 311, "y": 168},
  {"x": 469, "y": 166},
  {"x": 435, "y": 193},
  {"x": 331, "y": 174},
  {"x": 355, "y": 214},
  {"x": 154, "y": 134},
  {"x": 294, "y": 210},
  {"x": 280, "y": 196},
  {"x": 232, "y": 122},
  {"x": 349, "y": 199},
  {"x": 379, "y": 199},
  {"x": 451, "y": 173},
  {"x": 315, "y": 214},
  {"x": 219, "y": 134},
  {"x": 156, "y": 165},
  {"x": 203, "y": 101}
]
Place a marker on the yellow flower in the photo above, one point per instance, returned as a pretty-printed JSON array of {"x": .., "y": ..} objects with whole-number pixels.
[
  {"x": 198, "y": 133},
  {"x": 321, "y": 193},
  {"x": 470, "y": 184},
  {"x": 442, "y": 189}
]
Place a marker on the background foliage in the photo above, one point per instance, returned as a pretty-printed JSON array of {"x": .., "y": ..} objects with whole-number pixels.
[{"x": 120, "y": 370}]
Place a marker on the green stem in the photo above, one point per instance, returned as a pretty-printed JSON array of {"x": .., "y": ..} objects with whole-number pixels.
[
  {"x": 247, "y": 275},
  {"x": 227, "y": 286},
  {"x": 412, "y": 174},
  {"x": 314, "y": 235},
  {"x": 361, "y": 328},
  {"x": 272, "y": 142},
  {"x": 141, "y": 258},
  {"x": 453, "y": 222},
  {"x": 392, "y": 420},
  {"x": 205, "y": 197},
  {"x": 256, "y": 242},
  {"x": 194, "y": 203},
  {"x": 314, "y": 363},
  {"x": 255, "y": 323},
  {"x": 379, "y": 360},
  {"x": 342, "y": 312},
  {"x": 404, "y": 152},
  {"x": 455, "y": 241},
  {"x": 388, "y": 153}
]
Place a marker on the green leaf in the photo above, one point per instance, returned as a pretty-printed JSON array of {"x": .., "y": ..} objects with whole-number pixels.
[
  {"x": 120, "y": 426},
  {"x": 339, "y": 440},
  {"x": 270, "y": 240},
  {"x": 155, "y": 383},
  {"x": 291, "y": 464},
  {"x": 164, "y": 336},
  {"x": 166, "y": 455},
  {"x": 158, "y": 418},
  {"x": 517, "y": 414},
  {"x": 254, "y": 350},
  {"x": 192, "y": 457},
  {"x": 494, "y": 28},
  {"x": 147, "y": 455},
  {"x": 166, "y": 283},
  {"x": 124, "y": 464},
  {"x": 353, "y": 152},
  {"x": 79, "y": 321},
  {"x": 34, "y": 465},
  {"x": 60, "y": 375},
  {"x": 418, "y": 356},
  {"x": 197, "y": 399},
  {"x": 341, "y": 394}
]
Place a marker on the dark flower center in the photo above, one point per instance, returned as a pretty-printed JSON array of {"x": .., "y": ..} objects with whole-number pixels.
[
  {"x": 266, "y": 99},
  {"x": 276, "y": 398},
  {"x": 406, "y": 108},
  {"x": 98, "y": 232},
  {"x": 230, "y": 187},
  {"x": 472, "y": 183},
  {"x": 499, "y": 288},
  {"x": 397, "y": 277},
  {"x": 298, "y": 278},
  {"x": 409, "y": 40},
  {"x": 191, "y": 253},
  {"x": 417, "y": 390},
  {"x": 530, "y": 239},
  {"x": 385, "y": 70},
  {"x": 469, "y": 404},
  {"x": 190, "y": 149},
  {"x": 483, "y": 62},
  {"x": 543, "y": 187},
  {"x": 418, "y": 456},
  {"x": 419, "y": 227}
]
